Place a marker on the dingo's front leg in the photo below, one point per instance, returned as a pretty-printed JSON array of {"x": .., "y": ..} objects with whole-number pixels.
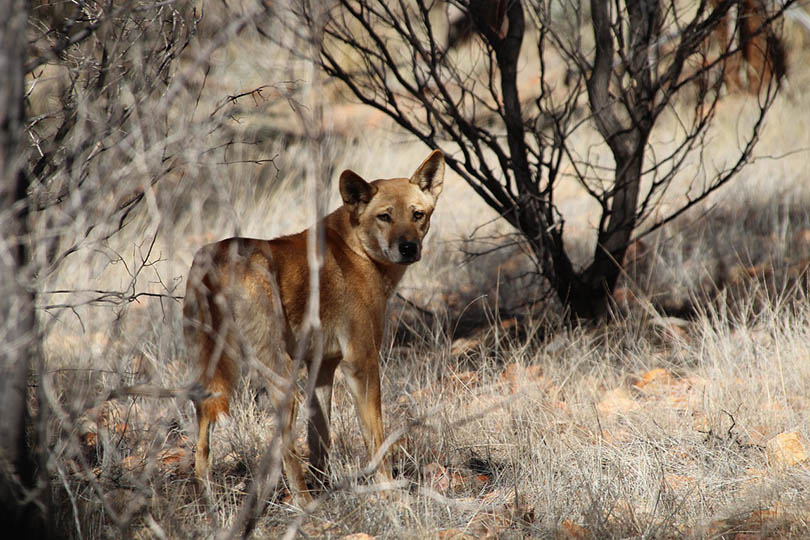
[{"x": 363, "y": 377}]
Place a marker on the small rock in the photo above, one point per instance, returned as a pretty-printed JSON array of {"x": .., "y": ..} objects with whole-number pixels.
[
  {"x": 572, "y": 530},
  {"x": 617, "y": 401},
  {"x": 465, "y": 345},
  {"x": 787, "y": 449},
  {"x": 758, "y": 525},
  {"x": 174, "y": 460},
  {"x": 657, "y": 376}
]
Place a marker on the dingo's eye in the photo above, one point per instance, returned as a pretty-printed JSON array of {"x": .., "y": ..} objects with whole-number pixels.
[
  {"x": 385, "y": 218},
  {"x": 418, "y": 215}
]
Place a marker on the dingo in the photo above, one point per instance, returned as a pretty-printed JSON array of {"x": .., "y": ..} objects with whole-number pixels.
[{"x": 246, "y": 298}]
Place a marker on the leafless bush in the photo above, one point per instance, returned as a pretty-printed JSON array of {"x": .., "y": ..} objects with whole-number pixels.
[
  {"x": 119, "y": 123},
  {"x": 515, "y": 137}
]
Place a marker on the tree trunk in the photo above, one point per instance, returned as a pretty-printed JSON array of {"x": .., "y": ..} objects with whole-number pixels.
[
  {"x": 625, "y": 125},
  {"x": 24, "y": 490},
  {"x": 599, "y": 279}
]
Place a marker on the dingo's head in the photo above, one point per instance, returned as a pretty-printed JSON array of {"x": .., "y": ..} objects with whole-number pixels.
[{"x": 390, "y": 217}]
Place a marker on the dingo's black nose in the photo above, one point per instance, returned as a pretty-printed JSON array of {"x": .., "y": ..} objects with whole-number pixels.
[{"x": 408, "y": 250}]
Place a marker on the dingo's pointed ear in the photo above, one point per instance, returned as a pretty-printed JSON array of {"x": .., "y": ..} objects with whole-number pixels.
[
  {"x": 430, "y": 174},
  {"x": 354, "y": 190}
]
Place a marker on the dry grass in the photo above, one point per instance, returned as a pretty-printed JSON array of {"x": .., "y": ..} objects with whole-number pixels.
[{"x": 515, "y": 426}]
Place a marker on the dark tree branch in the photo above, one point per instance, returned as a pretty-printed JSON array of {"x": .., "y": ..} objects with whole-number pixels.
[{"x": 24, "y": 484}]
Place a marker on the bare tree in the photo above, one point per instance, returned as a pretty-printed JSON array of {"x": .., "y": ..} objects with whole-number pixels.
[
  {"x": 77, "y": 76},
  {"x": 24, "y": 486},
  {"x": 98, "y": 113},
  {"x": 84, "y": 133},
  {"x": 109, "y": 132},
  {"x": 625, "y": 64}
]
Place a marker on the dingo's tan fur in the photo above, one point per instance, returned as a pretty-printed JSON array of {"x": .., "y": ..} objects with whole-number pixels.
[{"x": 246, "y": 299}]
